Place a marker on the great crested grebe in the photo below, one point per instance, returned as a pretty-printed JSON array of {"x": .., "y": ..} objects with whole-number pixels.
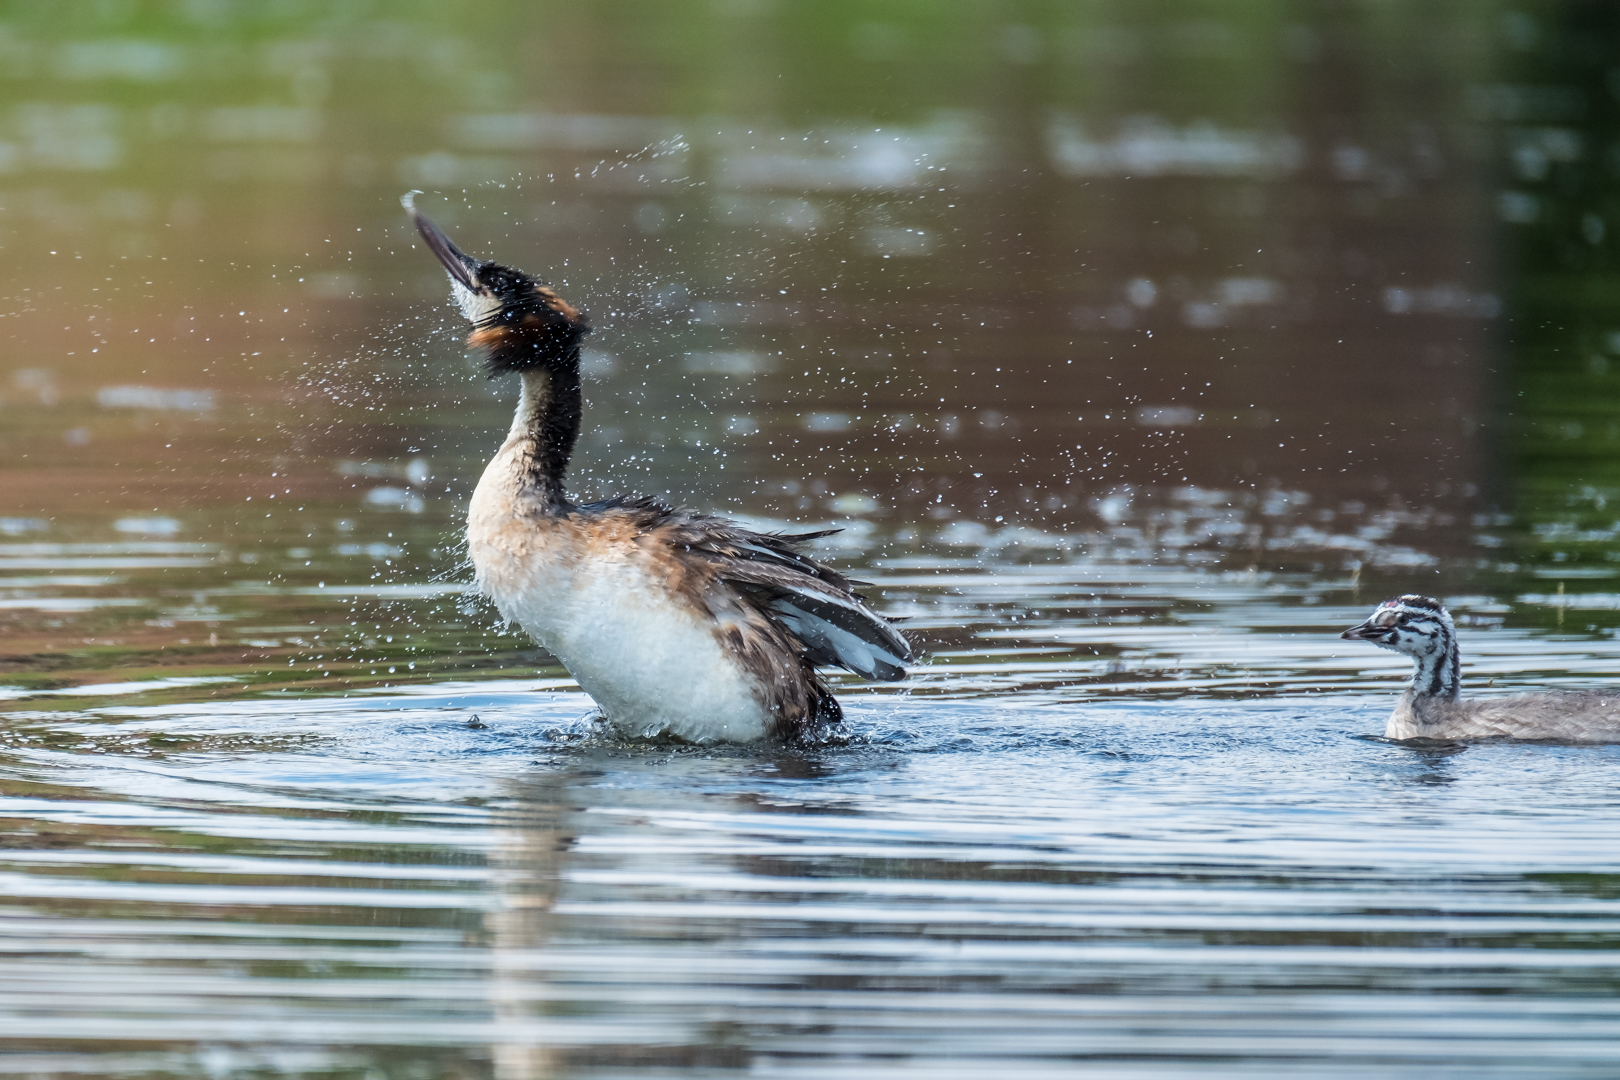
[
  {"x": 1421, "y": 627},
  {"x": 676, "y": 623}
]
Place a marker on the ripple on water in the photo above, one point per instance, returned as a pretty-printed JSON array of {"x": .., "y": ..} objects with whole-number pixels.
[
  {"x": 1129, "y": 817},
  {"x": 1147, "y": 884}
]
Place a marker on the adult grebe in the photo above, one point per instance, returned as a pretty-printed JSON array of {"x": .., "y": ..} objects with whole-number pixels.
[
  {"x": 1421, "y": 627},
  {"x": 676, "y": 623}
]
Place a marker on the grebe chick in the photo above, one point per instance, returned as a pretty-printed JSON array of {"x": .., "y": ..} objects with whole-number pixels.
[
  {"x": 676, "y": 623},
  {"x": 1421, "y": 627}
]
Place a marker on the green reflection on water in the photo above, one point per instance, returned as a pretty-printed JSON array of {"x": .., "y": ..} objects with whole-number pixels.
[
  {"x": 1015, "y": 292},
  {"x": 1559, "y": 113}
]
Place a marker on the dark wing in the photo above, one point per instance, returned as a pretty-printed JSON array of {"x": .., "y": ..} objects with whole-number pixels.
[
  {"x": 837, "y": 629},
  {"x": 817, "y": 605}
]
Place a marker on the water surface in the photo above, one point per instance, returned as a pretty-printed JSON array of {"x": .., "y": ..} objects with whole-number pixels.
[{"x": 1136, "y": 352}]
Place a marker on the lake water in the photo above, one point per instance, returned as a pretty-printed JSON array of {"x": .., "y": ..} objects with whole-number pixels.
[{"x": 1137, "y": 353}]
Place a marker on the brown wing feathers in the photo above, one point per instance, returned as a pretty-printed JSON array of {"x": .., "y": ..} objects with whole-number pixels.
[{"x": 816, "y": 605}]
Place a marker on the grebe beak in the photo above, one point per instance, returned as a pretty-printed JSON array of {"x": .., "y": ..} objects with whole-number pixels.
[
  {"x": 462, "y": 268},
  {"x": 1365, "y": 632}
]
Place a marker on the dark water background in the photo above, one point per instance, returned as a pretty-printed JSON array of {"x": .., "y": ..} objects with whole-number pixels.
[{"x": 1137, "y": 348}]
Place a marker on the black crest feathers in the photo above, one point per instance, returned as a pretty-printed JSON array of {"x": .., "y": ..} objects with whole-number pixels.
[
  {"x": 519, "y": 322},
  {"x": 532, "y": 326}
]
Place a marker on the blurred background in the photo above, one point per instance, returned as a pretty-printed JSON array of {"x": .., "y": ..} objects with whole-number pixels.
[
  {"x": 1269, "y": 285},
  {"x": 1055, "y": 264},
  {"x": 1307, "y": 286}
]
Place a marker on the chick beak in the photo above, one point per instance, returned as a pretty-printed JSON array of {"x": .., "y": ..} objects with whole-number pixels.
[
  {"x": 462, "y": 268},
  {"x": 1364, "y": 632}
]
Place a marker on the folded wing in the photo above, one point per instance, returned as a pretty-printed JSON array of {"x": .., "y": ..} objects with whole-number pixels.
[{"x": 816, "y": 603}]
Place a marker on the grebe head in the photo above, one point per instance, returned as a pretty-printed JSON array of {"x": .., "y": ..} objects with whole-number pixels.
[
  {"x": 519, "y": 320},
  {"x": 1414, "y": 625},
  {"x": 1419, "y": 627}
]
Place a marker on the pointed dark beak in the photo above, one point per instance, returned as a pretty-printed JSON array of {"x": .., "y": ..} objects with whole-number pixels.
[
  {"x": 1365, "y": 632},
  {"x": 463, "y": 268}
]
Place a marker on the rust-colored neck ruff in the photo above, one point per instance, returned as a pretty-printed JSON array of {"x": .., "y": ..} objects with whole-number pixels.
[{"x": 532, "y": 327}]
